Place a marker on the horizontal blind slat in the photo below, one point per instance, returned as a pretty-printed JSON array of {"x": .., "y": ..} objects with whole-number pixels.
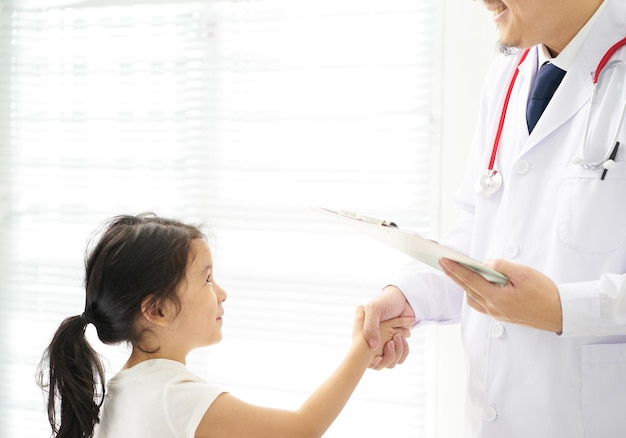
[{"x": 242, "y": 114}]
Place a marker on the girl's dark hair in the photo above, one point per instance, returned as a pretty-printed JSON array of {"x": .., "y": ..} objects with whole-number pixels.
[{"x": 136, "y": 257}]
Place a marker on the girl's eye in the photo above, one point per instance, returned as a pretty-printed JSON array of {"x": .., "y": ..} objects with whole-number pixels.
[{"x": 209, "y": 279}]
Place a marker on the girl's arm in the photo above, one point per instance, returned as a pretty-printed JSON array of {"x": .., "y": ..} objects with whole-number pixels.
[{"x": 229, "y": 417}]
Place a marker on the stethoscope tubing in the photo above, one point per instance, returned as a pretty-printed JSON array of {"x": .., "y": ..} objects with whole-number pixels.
[
  {"x": 605, "y": 59},
  {"x": 604, "y": 62},
  {"x": 505, "y": 106},
  {"x": 586, "y": 164}
]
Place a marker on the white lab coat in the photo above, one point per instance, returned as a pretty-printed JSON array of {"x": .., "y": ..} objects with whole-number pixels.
[{"x": 562, "y": 220}]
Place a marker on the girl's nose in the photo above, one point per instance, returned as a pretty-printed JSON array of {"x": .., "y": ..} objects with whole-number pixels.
[{"x": 221, "y": 293}]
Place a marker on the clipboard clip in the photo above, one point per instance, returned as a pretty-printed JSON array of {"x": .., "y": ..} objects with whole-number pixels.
[{"x": 367, "y": 219}]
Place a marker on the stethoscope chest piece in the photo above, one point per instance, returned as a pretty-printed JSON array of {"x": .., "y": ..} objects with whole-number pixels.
[{"x": 488, "y": 183}]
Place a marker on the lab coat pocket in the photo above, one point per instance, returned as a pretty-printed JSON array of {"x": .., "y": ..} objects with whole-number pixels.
[
  {"x": 590, "y": 211},
  {"x": 603, "y": 389}
]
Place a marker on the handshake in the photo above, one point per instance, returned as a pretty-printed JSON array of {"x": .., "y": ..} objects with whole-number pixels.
[{"x": 383, "y": 326}]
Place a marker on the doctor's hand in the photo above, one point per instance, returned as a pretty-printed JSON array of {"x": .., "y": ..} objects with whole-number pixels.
[
  {"x": 390, "y": 303},
  {"x": 529, "y": 298}
]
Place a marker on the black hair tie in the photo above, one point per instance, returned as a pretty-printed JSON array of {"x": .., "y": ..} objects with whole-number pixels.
[{"x": 84, "y": 318}]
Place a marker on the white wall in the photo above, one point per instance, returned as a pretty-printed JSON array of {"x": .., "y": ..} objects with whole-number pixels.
[{"x": 469, "y": 45}]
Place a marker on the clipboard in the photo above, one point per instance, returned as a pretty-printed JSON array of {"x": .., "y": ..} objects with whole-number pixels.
[{"x": 411, "y": 243}]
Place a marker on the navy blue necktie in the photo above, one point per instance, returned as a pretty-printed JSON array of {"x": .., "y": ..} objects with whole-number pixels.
[{"x": 548, "y": 79}]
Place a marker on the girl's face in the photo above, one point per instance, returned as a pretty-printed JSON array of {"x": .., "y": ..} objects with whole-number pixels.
[{"x": 200, "y": 318}]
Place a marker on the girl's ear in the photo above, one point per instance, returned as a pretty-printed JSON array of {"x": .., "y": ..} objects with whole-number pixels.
[{"x": 156, "y": 311}]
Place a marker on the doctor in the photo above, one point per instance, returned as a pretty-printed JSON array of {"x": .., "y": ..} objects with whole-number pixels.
[{"x": 547, "y": 351}]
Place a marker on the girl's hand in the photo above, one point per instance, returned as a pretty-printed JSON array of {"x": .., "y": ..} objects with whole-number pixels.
[
  {"x": 390, "y": 303},
  {"x": 395, "y": 327}
]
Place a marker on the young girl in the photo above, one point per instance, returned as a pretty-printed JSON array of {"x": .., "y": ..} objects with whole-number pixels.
[{"x": 149, "y": 282}]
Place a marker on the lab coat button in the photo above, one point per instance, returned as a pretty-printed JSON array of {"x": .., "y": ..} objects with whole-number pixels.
[
  {"x": 522, "y": 167},
  {"x": 490, "y": 414},
  {"x": 511, "y": 250},
  {"x": 498, "y": 330}
]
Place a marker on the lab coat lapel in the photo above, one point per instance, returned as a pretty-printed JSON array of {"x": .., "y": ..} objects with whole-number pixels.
[
  {"x": 570, "y": 98},
  {"x": 575, "y": 90}
]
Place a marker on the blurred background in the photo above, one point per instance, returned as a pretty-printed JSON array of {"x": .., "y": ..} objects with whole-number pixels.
[{"x": 241, "y": 115}]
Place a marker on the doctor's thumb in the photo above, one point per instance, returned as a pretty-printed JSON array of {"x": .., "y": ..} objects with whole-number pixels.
[
  {"x": 371, "y": 328},
  {"x": 502, "y": 266}
]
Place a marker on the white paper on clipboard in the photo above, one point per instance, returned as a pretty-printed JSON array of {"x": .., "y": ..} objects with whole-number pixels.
[{"x": 411, "y": 243}]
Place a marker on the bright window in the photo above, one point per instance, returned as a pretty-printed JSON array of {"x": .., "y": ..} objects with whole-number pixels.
[{"x": 241, "y": 114}]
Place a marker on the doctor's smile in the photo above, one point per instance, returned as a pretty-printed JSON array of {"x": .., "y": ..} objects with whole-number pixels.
[{"x": 497, "y": 10}]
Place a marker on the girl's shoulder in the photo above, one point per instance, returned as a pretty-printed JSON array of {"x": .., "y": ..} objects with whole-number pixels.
[
  {"x": 157, "y": 372},
  {"x": 154, "y": 396}
]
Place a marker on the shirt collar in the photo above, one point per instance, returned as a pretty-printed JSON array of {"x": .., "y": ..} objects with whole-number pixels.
[{"x": 565, "y": 59}]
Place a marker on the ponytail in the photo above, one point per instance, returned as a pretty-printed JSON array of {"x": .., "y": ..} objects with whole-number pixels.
[
  {"x": 70, "y": 371},
  {"x": 135, "y": 258}
]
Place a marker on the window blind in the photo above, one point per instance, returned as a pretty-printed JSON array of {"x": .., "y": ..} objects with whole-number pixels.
[{"x": 240, "y": 114}]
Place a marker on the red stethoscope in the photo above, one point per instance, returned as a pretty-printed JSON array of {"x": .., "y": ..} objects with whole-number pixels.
[{"x": 491, "y": 181}]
